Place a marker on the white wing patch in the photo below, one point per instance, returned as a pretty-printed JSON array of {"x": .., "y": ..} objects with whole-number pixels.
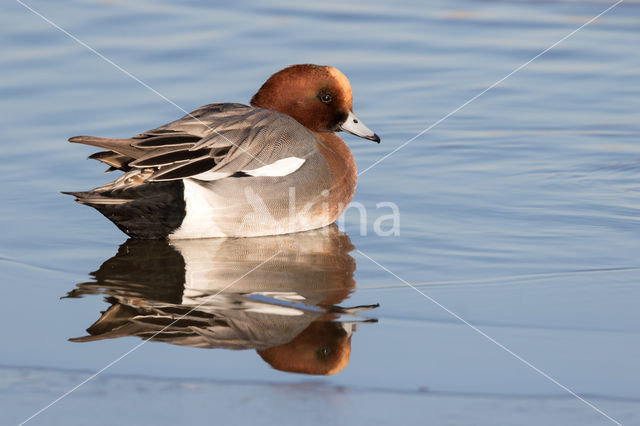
[
  {"x": 209, "y": 175},
  {"x": 283, "y": 167}
]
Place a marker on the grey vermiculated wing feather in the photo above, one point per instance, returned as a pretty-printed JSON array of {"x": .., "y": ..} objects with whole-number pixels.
[
  {"x": 225, "y": 138},
  {"x": 172, "y": 139},
  {"x": 199, "y": 123},
  {"x": 113, "y": 159},
  {"x": 238, "y": 139},
  {"x": 184, "y": 170},
  {"x": 165, "y": 158},
  {"x": 264, "y": 137},
  {"x": 120, "y": 146},
  {"x": 182, "y": 133}
]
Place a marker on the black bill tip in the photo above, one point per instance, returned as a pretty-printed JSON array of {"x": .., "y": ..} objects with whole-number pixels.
[{"x": 374, "y": 138}]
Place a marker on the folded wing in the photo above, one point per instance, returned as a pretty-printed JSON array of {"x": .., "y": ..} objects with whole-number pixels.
[{"x": 213, "y": 142}]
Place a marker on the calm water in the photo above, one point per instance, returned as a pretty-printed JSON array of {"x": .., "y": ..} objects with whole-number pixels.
[{"x": 520, "y": 213}]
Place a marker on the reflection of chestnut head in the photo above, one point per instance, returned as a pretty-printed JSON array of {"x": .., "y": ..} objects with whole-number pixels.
[{"x": 322, "y": 348}]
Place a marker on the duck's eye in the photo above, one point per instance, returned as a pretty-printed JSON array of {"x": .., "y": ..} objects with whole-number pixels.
[
  {"x": 323, "y": 353},
  {"x": 326, "y": 98}
]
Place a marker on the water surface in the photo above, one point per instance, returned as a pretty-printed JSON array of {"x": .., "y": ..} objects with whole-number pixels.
[{"x": 519, "y": 213}]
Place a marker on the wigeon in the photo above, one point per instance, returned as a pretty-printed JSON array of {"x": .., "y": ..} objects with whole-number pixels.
[{"x": 232, "y": 170}]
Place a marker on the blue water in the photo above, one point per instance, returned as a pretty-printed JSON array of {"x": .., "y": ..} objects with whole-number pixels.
[{"x": 519, "y": 212}]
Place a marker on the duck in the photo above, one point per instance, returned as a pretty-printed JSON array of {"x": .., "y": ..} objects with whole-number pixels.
[{"x": 273, "y": 167}]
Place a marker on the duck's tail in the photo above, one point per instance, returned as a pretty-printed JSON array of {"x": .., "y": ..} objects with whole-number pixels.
[{"x": 150, "y": 211}]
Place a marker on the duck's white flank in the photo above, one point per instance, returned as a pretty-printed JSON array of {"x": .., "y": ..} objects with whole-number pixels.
[{"x": 200, "y": 206}]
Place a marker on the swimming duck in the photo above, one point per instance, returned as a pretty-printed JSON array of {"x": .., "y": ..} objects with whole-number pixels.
[{"x": 233, "y": 170}]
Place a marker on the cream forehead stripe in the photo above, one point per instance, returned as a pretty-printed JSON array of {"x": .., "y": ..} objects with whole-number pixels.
[{"x": 342, "y": 80}]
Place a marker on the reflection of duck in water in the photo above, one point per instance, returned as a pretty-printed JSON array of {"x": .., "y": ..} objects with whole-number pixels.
[{"x": 286, "y": 308}]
